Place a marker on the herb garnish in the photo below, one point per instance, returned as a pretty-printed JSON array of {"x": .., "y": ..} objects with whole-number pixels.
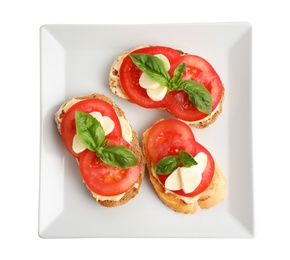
[
  {"x": 169, "y": 163},
  {"x": 92, "y": 135}
]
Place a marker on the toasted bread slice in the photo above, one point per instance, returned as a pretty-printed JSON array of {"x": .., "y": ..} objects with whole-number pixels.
[
  {"x": 214, "y": 194},
  {"x": 134, "y": 143},
  {"x": 116, "y": 88}
]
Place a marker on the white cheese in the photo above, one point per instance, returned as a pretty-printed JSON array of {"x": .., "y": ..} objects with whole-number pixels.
[
  {"x": 148, "y": 83},
  {"x": 154, "y": 90},
  {"x": 173, "y": 181},
  {"x": 164, "y": 59},
  {"x": 187, "y": 179},
  {"x": 126, "y": 129},
  {"x": 107, "y": 124},
  {"x": 77, "y": 145},
  {"x": 158, "y": 93},
  {"x": 98, "y": 116}
]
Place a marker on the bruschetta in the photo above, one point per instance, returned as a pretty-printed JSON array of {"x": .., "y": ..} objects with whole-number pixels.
[
  {"x": 95, "y": 131},
  {"x": 185, "y": 85},
  {"x": 183, "y": 173}
]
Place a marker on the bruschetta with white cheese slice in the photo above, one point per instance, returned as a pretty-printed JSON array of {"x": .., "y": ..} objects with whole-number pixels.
[
  {"x": 96, "y": 132},
  {"x": 160, "y": 77},
  {"x": 183, "y": 173}
]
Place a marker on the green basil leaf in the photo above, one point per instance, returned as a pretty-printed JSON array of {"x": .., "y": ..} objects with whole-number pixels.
[
  {"x": 167, "y": 165},
  {"x": 152, "y": 66},
  {"x": 177, "y": 76},
  {"x": 89, "y": 130},
  {"x": 118, "y": 156},
  {"x": 198, "y": 95},
  {"x": 187, "y": 159}
]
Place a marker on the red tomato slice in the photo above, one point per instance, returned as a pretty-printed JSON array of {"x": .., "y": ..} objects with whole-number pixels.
[
  {"x": 207, "y": 175},
  {"x": 130, "y": 74},
  {"x": 168, "y": 137},
  {"x": 106, "y": 180},
  {"x": 68, "y": 128},
  {"x": 200, "y": 70}
]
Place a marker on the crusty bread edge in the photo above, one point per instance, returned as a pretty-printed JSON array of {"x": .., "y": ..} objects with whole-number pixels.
[
  {"x": 116, "y": 88},
  {"x": 213, "y": 195},
  {"x": 134, "y": 143}
]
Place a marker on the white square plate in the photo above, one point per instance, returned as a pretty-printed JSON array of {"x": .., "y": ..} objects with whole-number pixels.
[{"x": 75, "y": 60}]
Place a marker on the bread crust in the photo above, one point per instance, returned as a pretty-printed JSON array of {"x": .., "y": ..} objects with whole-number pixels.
[
  {"x": 134, "y": 143},
  {"x": 213, "y": 195},
  {"x": 116, "y": 88}
]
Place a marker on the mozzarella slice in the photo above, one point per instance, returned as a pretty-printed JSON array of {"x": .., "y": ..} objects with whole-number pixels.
[
  {"x": 187, "y": 179},
  {"x": 108, "y": 125},
  {"x": 98, "y": 116},
  {"x": 173, "y": 181},
  {"x": 154, "y": 90},
  {"x": 164, "y": 59},
  {"x": 157, "y": 94},
  {"x": 190, "y": 179},
  {"x": 148, "y": 83},
  {"x": 106, "y": 122},
  {"x": 77, "y": 145},
  {"x": 126, "y": 129}
]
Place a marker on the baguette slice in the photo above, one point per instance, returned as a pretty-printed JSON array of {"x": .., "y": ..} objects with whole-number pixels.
[
  {"x": 214, "y": 194},
  {"x": 116, "y": 88},
  {"x": 134, "y": 143}
]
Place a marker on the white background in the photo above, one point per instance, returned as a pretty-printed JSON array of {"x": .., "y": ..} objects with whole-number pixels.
[{"x": 19, "y": 129}]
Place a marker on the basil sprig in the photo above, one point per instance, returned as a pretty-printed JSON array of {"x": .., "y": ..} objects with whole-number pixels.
[
  {"x": 152, "y": 66},
  {"x": 155, "y": 69},
  {"x": 92, "y": 136},
  {"x": 169, "y": 163}
]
